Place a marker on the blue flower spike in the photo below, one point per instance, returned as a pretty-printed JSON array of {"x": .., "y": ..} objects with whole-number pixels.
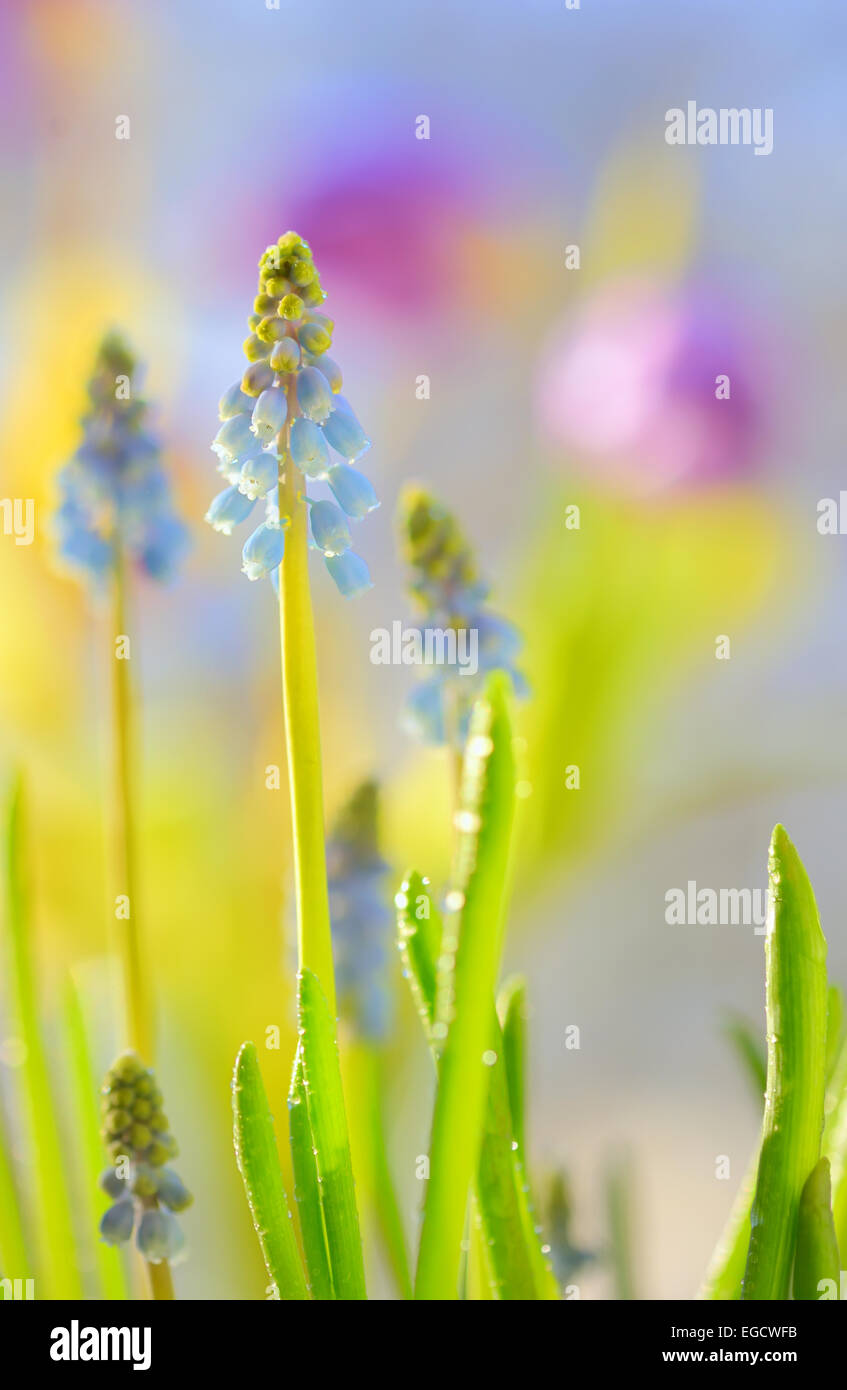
[
  {"x": 360, "y": 913},
  {"x": 446, "y": 588},
  {"x": 114, "y": 495},
  {"x": 286, "y": 412},
  {"x": 145, "y": 1192}
]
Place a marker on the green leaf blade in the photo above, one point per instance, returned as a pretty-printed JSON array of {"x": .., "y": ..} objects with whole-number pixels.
[
  {"x": 258, "y": 1163},
  {"x": 816, "y": 1257},
  {"x": 307, "y": 1191},
  {"x": 796, "y": 1008},
  {"x": 469, "y": 964},
  {"x": 328, "y": 1120}
]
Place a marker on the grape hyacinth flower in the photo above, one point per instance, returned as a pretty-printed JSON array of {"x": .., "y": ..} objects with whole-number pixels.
[
  {"x": 445, "y": 584},
  {"x": 114, "y": 497},
  {"x": 286, "y": 417},
  {"x": 360, "y": 913},
  {"x": 145, "y": 1192}
]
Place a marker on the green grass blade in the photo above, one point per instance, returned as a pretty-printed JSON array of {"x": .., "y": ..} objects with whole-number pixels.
[
  {"x": 512, "y": 1010},
  {"x": 796, "y": 1007},
  {"x": 514, "y": 1266},
  {"x": 816, "y": 1256},
  {"x": 724, "y": 1277},
  {"x": 750, "y": 1053},
  {"x": 469, "y": 962},
  {"x": 620, "y": 1211},
  {"x": 57, "y": 1274},
  {"x": 328, "y": 1121},
  {"x": 364, "y": 1080},
  {"x": 258, "y": 1163},
  {"x": 307, "y": 1192},
  {"x": 15, "y": 1259},
  {"x": 85, "y": 1087}
]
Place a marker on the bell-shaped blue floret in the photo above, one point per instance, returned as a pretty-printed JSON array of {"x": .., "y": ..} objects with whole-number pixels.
[
  {"x": 228, "y": 509},
  {"x": 352, "y": 490},
  {"x": 233, "y": 438},
  {"x": 308, "y": 448},
  {"x": 330, "y": 531},
  {"x": 258, "y": 475},
  {"x": 313, "y": 394},
  {"x": 159, "y": 1236},
  {"x": 350, "y": 573},
  {"x": 117, "y": 1222},
  {"x": 269, "y": 414},
  {"x": 344, "y": 433},
  {"x": 263, "y": 550}
]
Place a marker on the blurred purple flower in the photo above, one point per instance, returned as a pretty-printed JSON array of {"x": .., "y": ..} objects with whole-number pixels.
[{"x": 629, "y": 388}]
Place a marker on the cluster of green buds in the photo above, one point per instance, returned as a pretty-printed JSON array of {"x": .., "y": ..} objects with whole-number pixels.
[{"x": 145, "y": 1192}]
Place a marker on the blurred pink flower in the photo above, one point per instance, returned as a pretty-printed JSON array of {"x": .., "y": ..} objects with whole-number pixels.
[{"x": 628, "y": 390}]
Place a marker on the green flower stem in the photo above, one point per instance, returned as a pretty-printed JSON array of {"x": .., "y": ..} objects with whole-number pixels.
[
  {"x": 139, "y": 1030},
  {"x": 57, "y": 1271},
  {"x": 302, "y": 733},
  {"x": 109, "y": 1262},
  {"x": 139, "y": 1021},
  {"x": 796, "y": 1008}
]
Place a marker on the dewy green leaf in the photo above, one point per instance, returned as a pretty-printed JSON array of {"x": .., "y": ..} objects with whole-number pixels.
[
  {"x": 57, "y": 1272},
  {"x": 511, "y": 1010},
  {"x": 258, "y": 1163},
  {"x": 307, "y": 1192},
  {"x": 796, "y": 1007},
  {"x": 816, "y": 1256},
  {"x": 513, "y": 1266},
  {"x": 469, "y": 962},
  {"x": 322, "y": 1079}
]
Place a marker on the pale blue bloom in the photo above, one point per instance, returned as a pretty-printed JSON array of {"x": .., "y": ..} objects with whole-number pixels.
[
  {"x": 258, "y": 475},
  {"x": 350, "y": 573},
  {"x": 117, "y": 1222},
  {"x": 159, "y": 1236},
  {"x": 289, "y": 400},
  {"x": 352, "y": 490},
  {"x": 331, "y": 371},
  {"x": 308, "y": 448},
  {"x": 330, "y": 531},
  {"x": 114, "y": 497},
  {"x": 234, "y": 438},
  {"x": 269, "y": 414},
  {"x": 359, "y": 910},
  {"x": 229, "y": 509},
  {"x": 344, "y": 433},
  {"x": 263, "y": 550},
  {"x": 313, "y": 394},
  {"x": 234, "y": 402}
]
